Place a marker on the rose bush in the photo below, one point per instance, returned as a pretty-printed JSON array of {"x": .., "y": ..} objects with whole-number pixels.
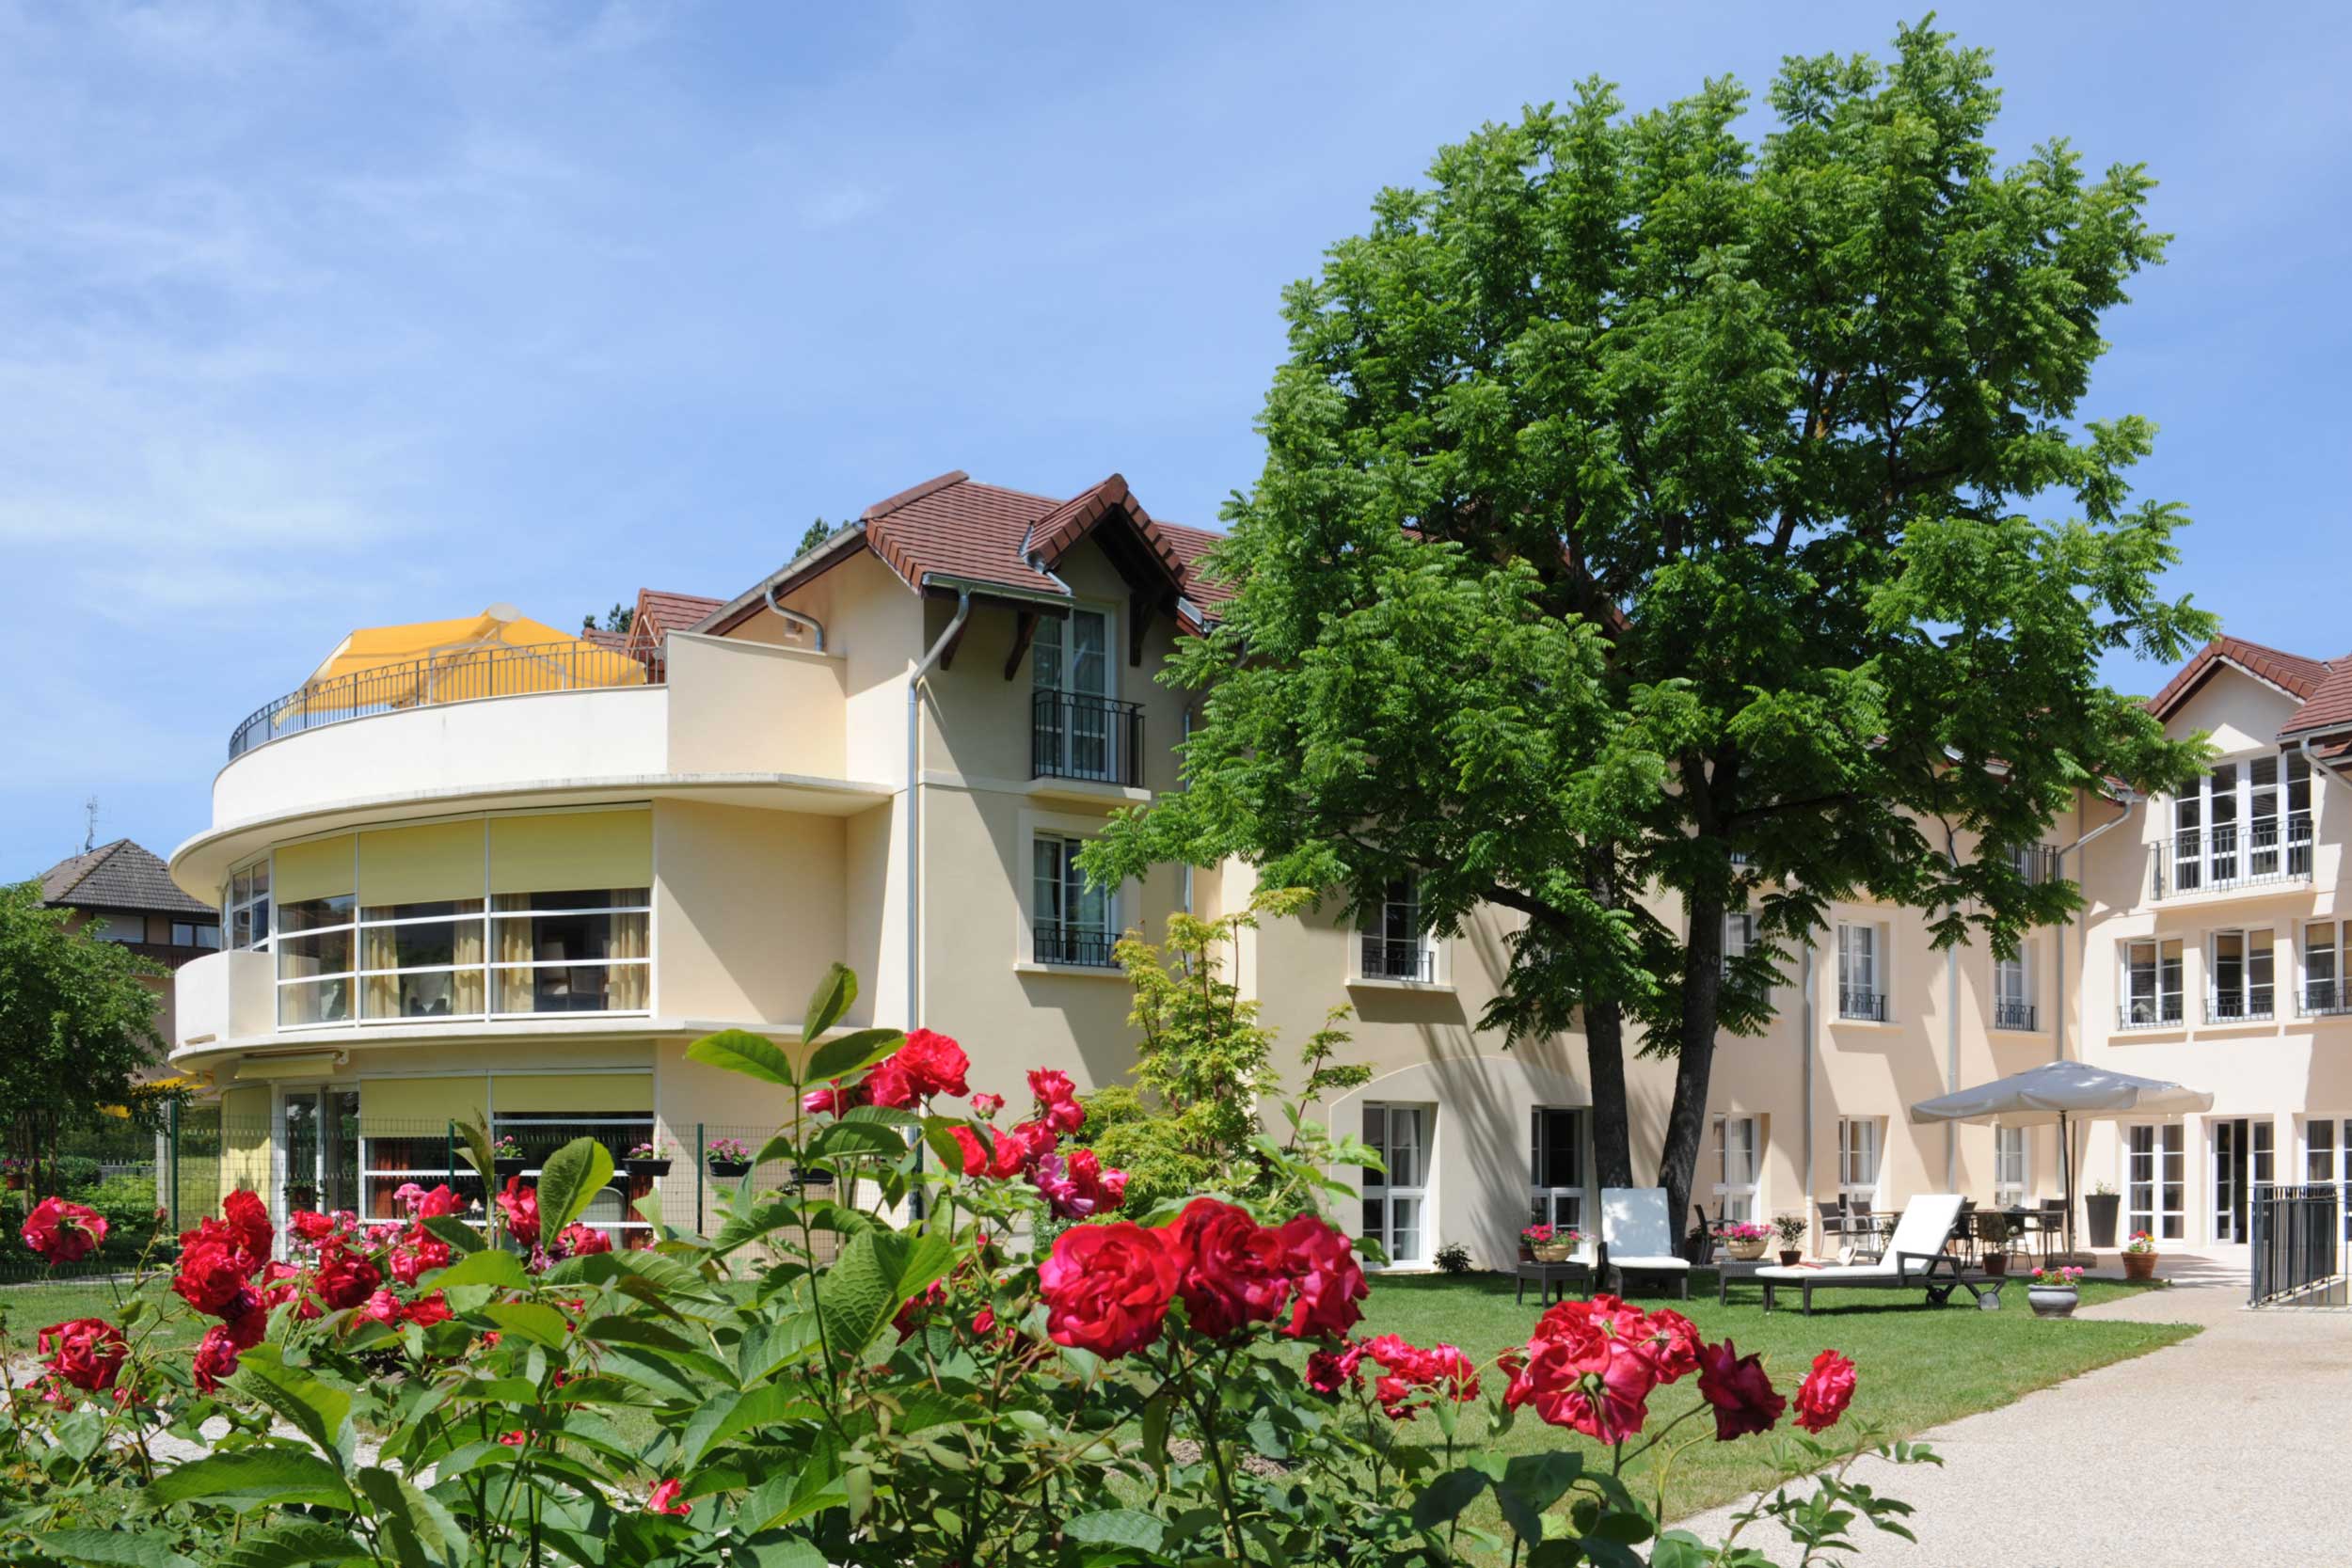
[{"x": 874, "y": 1369}]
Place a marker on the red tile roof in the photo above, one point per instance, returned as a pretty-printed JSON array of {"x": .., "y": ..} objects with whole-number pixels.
[
  {"x": 2328, "y": 706},
  {"x": 2291, "y": 672},
  {"x": 660, "y": 613},
  {"x": 616, "y": 640}
]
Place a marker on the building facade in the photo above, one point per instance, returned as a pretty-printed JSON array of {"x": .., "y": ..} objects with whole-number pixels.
[
  {"x": 123, "y": 893},
  {"x": 887, "y": 753}
]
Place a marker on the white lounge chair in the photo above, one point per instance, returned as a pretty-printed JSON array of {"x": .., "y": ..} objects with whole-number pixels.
[
  {"x": 1915, "y": 1259},
  {"x": 1637, "y": 1236}
]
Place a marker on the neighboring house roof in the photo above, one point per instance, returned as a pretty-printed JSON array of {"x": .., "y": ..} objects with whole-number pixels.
[
  {"x": 616, "y": 640},
  {"x": 660, "y": 612},
  {"x": 2322, "y": 687},
  {"x": 117, "y": 875},
  {"x": 955, "y": 530}
]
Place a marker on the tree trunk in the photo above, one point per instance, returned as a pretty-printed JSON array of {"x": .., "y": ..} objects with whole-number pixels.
[
  {"x": 1695, "y": 1059},
  {"x": 1604, "y": 1056}
]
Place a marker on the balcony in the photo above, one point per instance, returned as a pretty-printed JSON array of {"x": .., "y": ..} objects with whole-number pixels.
[
  {"x": 1398, "y": 958},
  {"x": 2226, "y": 857},
  {"x": 467, "y": 675},
  {"x": 2022, "y": 1016},
  {"x": 1861, "y": 1005},
  {"x": 1077, "y": 946},
  {"x": 2324, "y": 999},
  {"x": 2150, "y": 1012},
  {"x": 1095, "y": 739},
  {"x": 2256, "y": 1006}
]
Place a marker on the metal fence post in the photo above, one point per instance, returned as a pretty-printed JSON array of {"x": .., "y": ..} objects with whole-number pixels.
[
  {"x": 173, "y": 1119},
  {"x": 699, "y": 1146}
]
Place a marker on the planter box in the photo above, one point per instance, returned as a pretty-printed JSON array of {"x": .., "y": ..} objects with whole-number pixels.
[
  {"x": 514, "y": 1165},
  {"x": 729, "y": 1170},
  {"x": 646, "y": 1167},
  {"x": 2102, "y": 1210}
]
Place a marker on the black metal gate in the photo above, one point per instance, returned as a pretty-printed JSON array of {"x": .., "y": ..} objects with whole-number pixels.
[{"x": 2297, "y": 1244}]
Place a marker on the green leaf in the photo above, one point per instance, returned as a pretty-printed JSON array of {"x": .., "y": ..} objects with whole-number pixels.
[
  {"x": 456, "y": 1232},
  {"x": 123, "y": 1547},
  {"x": 476, "y": 1142},
  {"x": 1542, "y": 1478},
  {"x": 829, "y": 1004},
  {"x": 539, "y": 1324},
  {"x": 1117, "y": 1527},
  {"x": 740, "y": 1050},
  {"x": 251, "y": 1477},
  {"x": 570, "y": 1181},
  {"x": 1446, "y": 1496},
  {"x": 774, "y": 1549},
  {"x": 851, "y": 1052},
  {"x": 730, "y": 1414},
  {"x": 482, "y": 1268},
  {"x": 291, "y": 1544},
  {"x": 309, "y": 1406},
  {"x": 856, "y": 1137},
  {"x": 427, "y": 1521}
]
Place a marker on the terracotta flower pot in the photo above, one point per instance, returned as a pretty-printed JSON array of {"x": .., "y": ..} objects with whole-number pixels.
[
  {"x": 1997, "y": 1262},
  {"x": 1790, "y": 1257},
  {"x": 2140, "y": 1265}
]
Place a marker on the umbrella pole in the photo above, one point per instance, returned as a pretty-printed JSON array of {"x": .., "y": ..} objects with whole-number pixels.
[{"x": 2066, "y": 1168}]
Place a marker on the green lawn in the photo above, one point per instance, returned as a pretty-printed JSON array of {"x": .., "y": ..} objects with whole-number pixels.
[
  {"x": 1919, "y": 1366},
  {"x": 29, "y": 1308}
]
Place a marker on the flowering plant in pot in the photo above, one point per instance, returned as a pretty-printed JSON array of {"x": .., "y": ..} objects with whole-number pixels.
[
  {"x": 729, "y": 1157},
  {"x": 1134, "y": 1394},
  {"x": 646, "y": 1159},
  {"x": 2139, "y": 1255},
  {"x": 1744, "y": 1238},
  {"x": 1548, "y": 1243},
  {"x": 507, "y": 1157},
  {"x": 1792, "y": 1228},
  {"x": 2054, "y": 1292}
]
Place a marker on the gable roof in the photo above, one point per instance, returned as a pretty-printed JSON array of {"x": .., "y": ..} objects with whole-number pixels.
[
  {"x": 2328, "y": 706},
  {"x": 616, "y": 640},
  {"x": 2321, "y": 688},
  {"x": 117, "y": 875},
  {"x": 659, "y": 612},
  {"x": 953, "y": 529}
]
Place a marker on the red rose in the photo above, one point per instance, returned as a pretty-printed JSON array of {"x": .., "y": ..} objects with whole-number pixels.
[
  {"x": 1102, "y": 1189},
  {"x": 216, "y": 1357},
  {"x": 665, "y": 1499},
  {"x": 890, "y": 1085},
  {"x": 968, "y": 1144},
  {"x": 1076, "y": 1189},
  {"x": 247, "y": 1329},
  {"x": 1736, "y": 1386},
  {"x": 382, "y": 1306},
  {"x": 64, "y": 1232},
  {"x": 830, "y": 1101},
  {"x": 83, "y": 1352},
  {"x": 514, "y": 1440},
  {"x": 1440, "y": 1367},
  {"x": 426, "y": 1310},
  {"x": 1333, "y": 1372},
  {"x": 281, "y": 1283},
  {"x": 308, "y": 1224},
  {"x": 987, "y": 1104},
  {"x": 344, "y": 1278},
  {"x": 1057, "y": 1098},
  {"x": 1826, "y": 1391},
  {"x": 1670, "y": 1341},
  {"x": 578, "y": 1241},
  {"x": 212, "y": 1275},
  {"x": 913, "y": 1311},
  {"x": 1580, "y": 1373},
  {"x": 439, "y": 1202},
  {"x": 1327, "y": 1282},
  {"x": 248, "y": 1222},
  {"x": 934, "y": 1064},
  {"x": 1233, "y": 1268},
  {"x": 521, "y": 1204},
  {"x": 1107, "y": 1286},
  {"x": 1019, "y": 1150}
]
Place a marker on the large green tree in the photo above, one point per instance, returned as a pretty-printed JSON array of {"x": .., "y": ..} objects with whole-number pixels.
[
  {"x": 77, "y": 1023},
  {"x": 1643, "y": 537}
]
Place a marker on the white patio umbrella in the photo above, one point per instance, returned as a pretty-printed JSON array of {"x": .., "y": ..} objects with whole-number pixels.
[{"x": 2063, "y": 1093}]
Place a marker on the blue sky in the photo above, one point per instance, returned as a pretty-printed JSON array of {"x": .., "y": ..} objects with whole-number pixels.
[{"x": 320, "y": 317}]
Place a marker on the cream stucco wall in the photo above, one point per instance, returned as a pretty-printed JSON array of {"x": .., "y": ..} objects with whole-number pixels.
[{"x": 748, "y": 910}]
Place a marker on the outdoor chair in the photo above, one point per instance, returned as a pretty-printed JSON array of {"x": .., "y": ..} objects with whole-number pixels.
[
  {"x": 1915, "y": 1259},
  {"x": 1637, "y": 1237}
]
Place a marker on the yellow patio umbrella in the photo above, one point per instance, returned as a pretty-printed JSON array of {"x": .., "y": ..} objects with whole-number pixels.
[{"x": 499, "y": 652}]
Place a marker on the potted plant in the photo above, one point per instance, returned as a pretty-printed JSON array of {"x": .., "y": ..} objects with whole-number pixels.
[
  {"x": 1792, "y": 1229},
  {"x": 645, "y": 1160},
  {"x": 302, "y": 1195},
  {"x": 1744, "y": 1240},
  {"x": 1551, "y": 1243},
  {"x": 2103, "y": 1206},
  {"x": 2055, "y": 1291},
  {"x": 14, "y": 1168},
  {"x": 729, "y": 1157},
  {"x": 1993, "y": 1230},
  {"x": 507, "y": 1158},
  {"x": 2140, "y": 1257}
]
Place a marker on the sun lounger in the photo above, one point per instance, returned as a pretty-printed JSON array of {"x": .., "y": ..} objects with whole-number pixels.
[
  {"x": 1914, "y": 1260},
  {"x": 1637, "y": 1236}
]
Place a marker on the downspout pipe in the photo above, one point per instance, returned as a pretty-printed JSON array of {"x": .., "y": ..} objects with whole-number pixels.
[
  {"x": 1812, "y": 1048},
  {"x": 794, "y": 617},
  {"x": 914, "y": 802}
]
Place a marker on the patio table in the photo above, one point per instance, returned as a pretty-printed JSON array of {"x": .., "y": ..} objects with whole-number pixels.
[{"x": 1552, "y": 1279}]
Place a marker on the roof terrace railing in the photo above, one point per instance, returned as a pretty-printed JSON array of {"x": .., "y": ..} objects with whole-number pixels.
[{"x": 462, "y": 676}]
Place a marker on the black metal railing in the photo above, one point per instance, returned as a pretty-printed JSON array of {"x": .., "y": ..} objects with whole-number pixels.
[
  {"x": 2014, "y": 1015},
  {"x": 2256, "y": 1006},
  {"x": 1398, "y": 958},
  {"x": 2148, "y": 1012},
  {"x": 1070, "y": 944},
  {"x": 1072, "y": 736},
  {"x": 2228, "y": 855},
  {"x": 461, "y": 676},
  {"x": 2298, "y": 1243},
  {"x": 2323, "y": 999},
  {"x": 1861, "y": 1003},
  {"x": 2037, "y": 863}
]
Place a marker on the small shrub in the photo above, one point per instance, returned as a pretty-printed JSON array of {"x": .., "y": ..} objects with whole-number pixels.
[
  {"x": 75, "y": 1172},
  {"x": 1453, "y": 1257}
]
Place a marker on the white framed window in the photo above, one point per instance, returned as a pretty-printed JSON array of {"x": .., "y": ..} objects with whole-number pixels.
[
  {"x": 1555, "y": 1167},
  {"x": 2156, "y": 1180},
  {"x": 2149, "y": 981},
  {"x": 2013, "y": 999},
  {"x": 1738, "y": 1166},
  {"x": 1739, "y": 937},
  {"x": 246, "y": 905},
  {"x": 1393, "y": 945},
  {"x": 2323, "y": 991},
  {"x": 1071, "y": 920},
  {"x": 2012, "y": 1165},
  {"x": 1395, "y": 1199},
  {"x": 2240, "y": 977},
  {"x": 579, "y": 951},
  {"x": 316, "y": 959},
  {"x": 1860, "y": 1141},
  {"x": 2249, "y": 821},
  {"x": 2327, "y": 1154},
  {"x": 1078, "y": 726},
  {"x": 1862, "y": 971}
]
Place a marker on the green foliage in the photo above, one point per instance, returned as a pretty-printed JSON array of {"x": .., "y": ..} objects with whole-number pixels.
[
  {"x": 77, "y": 1021},
  {"x": 1644, "y": 511},
  {"x": 815, "y": 534}
]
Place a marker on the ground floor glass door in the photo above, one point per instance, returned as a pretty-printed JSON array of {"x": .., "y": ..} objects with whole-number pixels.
[
  {"x": 2230, "y": 1159},
  {"x": 2155, "y": 1181},
  {"x": 320, "y": 1136}
]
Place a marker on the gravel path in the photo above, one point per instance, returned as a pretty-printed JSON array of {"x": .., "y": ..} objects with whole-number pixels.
[{"x": 2227, "y": 1447}]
